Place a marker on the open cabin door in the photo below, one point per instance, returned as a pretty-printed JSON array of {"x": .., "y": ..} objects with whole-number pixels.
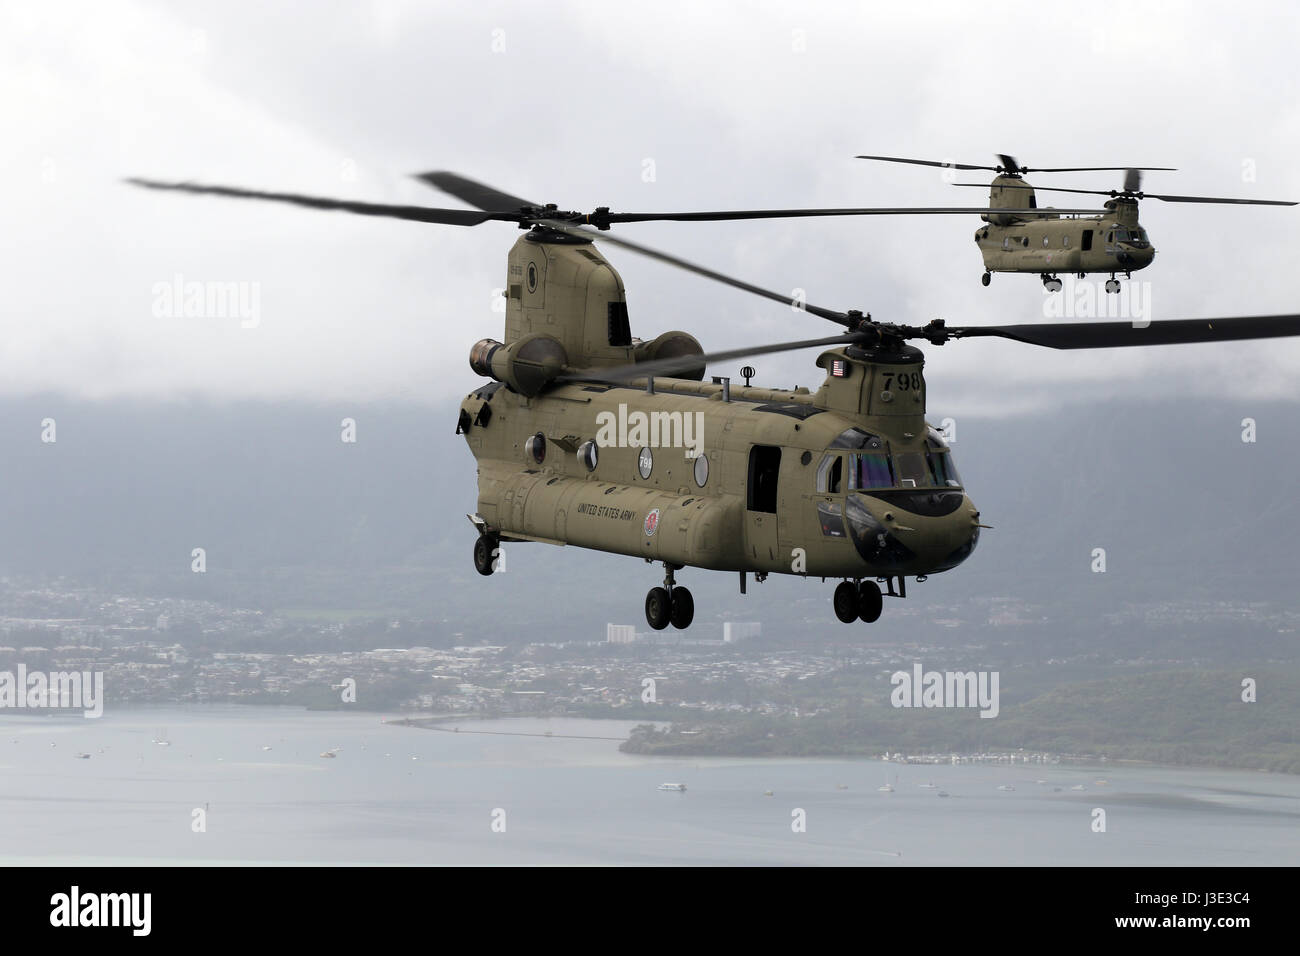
[{"x": 761, "y": 499}]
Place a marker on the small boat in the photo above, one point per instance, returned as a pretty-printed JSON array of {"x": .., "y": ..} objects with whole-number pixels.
[
  {"x": 885, "y": 789},
  {"x": 1006, "y": 786},
  {"x": 267, "y": 747},
  {"x": 675, "y": 787},
  {"x": 1041, "y": 783},
  {"x": 1078, "y": 786},
  {"x": 927, "y": 786},
  {"x": 329, "y": 753},
  {"x": 841, "y": 786},
  {"x": 766, "y": 793},
  {"x": 944, "y": 793},
  {"x": 83, "y": 756}
]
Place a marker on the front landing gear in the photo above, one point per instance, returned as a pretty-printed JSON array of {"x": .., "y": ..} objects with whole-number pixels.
[
  {"x": 1051, "y": 283},
  {"x": 986, "y": 278},
  {"x": 846, "y": 601},
  {"x": 858, "y": 602},
  {"x": 870, "y": 601},
  {"x": 1112, "y": 284},
  {"x": 669, "y": 604}
]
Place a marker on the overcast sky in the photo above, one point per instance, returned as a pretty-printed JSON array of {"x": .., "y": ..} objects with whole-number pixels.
[{"x": 734, "y": 105}]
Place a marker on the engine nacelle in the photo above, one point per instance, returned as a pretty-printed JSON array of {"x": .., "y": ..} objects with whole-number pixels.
[
  {"x": 526, "y": 366},
  {"x": 672, "y": 345}
]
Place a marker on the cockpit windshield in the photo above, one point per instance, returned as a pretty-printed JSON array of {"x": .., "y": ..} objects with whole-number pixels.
[
  {"x": 871, "y": 470},
  {"x": 873, "y": 465},
  {"x": 1134, "y": 237}
]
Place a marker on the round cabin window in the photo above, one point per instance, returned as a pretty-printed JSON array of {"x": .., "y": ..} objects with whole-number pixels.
[
  {"x": 588, "y": 455},
  {"x": 535, "y": 448},
  {"x": 701, "y": 470}
]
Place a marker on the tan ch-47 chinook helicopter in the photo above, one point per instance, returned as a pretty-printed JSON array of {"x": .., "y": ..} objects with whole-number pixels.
[
  {"x": 846, "y": 482},
  {"x": 1048, "y": 242}
]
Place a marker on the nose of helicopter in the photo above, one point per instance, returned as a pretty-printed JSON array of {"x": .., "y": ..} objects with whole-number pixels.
[
  {"x": 1133, "y": 258},
  {"x": 920, "y": 532}
]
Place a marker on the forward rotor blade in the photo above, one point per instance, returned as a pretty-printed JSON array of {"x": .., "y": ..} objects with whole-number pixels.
[
  {"x": 1216, "y": 199},
  {"x": 450, "y": 217},
  {"x": 841, "y": 318},
  {"x": 1105, "y": 335},
  {"x": 682, "y": 363},
  {"x": 1099, "y": 169},
  {"x": 477, "y": 194}
]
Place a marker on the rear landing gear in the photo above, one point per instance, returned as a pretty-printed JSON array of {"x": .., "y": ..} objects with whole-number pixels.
[
  {"x": 658, "y": 608},
  {"x": 1112, "y": 284},
  {"x": 986, "y": 278},
  {"x": 669, "y": 604},
  {"x": 486, "y": 549},
  {"x": 1051, "y": 283}
]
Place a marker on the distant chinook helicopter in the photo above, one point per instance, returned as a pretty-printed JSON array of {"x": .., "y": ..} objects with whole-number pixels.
[
  {"x": 846, "y": 482},
  {"x": 1045, "y": 243}
]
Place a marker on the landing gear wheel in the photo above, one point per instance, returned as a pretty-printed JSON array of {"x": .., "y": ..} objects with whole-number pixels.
[
  {"x": 986, "y": 278},
  {"x": 1112, "y": 285},
  {"x": 658, "y": 608},
  {"x": 846, "y": 602},
  {"x": 485, "y": 554},
  {"x": 1052, "y": 285},
  {"x": 683, "y": 611},
  {"x": 870, "y": 602}
]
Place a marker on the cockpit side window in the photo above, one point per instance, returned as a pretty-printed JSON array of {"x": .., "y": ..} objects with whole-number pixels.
[
  {"x": 945, "y": 472},
  {"x": 830, "y": 474},
  {"x": 853, "y": 438}
]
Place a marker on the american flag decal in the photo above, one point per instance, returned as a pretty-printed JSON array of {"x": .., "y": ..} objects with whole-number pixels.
[{"x": 837, "y": 368}]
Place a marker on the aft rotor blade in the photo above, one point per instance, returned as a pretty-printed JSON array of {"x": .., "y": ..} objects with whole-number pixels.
[
  {"x": 479, "y": 195},
  {"x": 682, "y": 363},
  {"x": 730, "y": 214},
  {"x": 841, "y": 318},
  {"x": 929, "y": 162},
  {"x": 1010, "y": 165},
  {"x": 450, "y": 217},
  {"x": 1106, "y": 335},
  {"x": 1118, "y": 193}
]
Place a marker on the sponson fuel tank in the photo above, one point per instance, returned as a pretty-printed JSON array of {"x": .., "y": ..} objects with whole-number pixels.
[{"x": 625, "y": 519}]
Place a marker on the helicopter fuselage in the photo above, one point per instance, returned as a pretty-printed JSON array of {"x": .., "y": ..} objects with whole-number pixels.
[
  {"x": 1048, "y": 243},
  {"x": 847, "y": 482}
]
